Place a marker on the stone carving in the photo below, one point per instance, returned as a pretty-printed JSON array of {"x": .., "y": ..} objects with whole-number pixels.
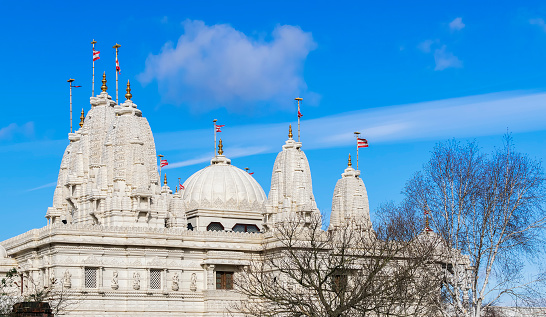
[
  {"x": 115, "y": 284},
  {"x": 175, "y": 286},
  {"x": 136, "y": 281},
  {"x": 193, "y": 282},
  {"x": 67, "y": 281},
  {"x": 52, "y": 279}
]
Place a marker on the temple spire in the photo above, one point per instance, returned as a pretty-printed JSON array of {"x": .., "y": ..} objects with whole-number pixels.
[
  {"x": 349, "y": 164},
  {"x": 165, "y": 180},
  {"x": 220, "y": 148},
  {"x": 104, "y": 87},
  {"x": 82, "y": 118},
  {"x": 290, "y": 131},
  {"x": 128, "y": 95}
]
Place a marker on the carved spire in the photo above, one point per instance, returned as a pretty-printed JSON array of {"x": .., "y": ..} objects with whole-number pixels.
[
  {"x": 220, "y": 148},
  {"x": 165, "y": 180},
  {"x": 349, "y": 164},
  {"x": 104, "y": 87},
  {"x": 82, "y": 118},
  {"x": 128, "y": 95},
  {"x": 290, "y": 131}
]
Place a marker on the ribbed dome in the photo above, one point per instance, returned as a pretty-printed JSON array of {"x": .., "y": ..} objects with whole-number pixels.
[{"x": 223, "y": 186}]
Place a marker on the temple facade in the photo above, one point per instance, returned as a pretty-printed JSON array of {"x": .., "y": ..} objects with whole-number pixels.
[{"x": 121, "y": 243}]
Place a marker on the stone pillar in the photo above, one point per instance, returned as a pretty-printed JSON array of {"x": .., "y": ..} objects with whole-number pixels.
[{"x": 211, "y": 279}]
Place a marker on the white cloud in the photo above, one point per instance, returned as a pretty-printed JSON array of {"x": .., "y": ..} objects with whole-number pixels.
[
  {"x": 457, "y": 24},
  {"x": 445, "y": 59},
  {"x": 43, "y": 186},
  {"x": 538, "y": 22},
  {"x": 425, "y": 46},
  {"x": 474, "y": 116},
  {"x": 14, "y": 129},
  {"x": 219, "y": 66}
]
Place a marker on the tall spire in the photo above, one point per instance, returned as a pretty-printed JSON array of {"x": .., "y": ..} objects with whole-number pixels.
[
  {"x": 290, "y": 131},
  {"x": 128, "y": 95},
  {"x": 349, "y": 164},
  {"x": 220, "y": 148},
  {"x": 104, "y": 87},
  {"x": 165, "y": 180},
  {"x": 82, "y": 118}
]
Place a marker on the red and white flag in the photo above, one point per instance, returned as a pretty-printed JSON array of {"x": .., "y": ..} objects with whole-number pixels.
[
  {"x": 163, "y": 163},
  {"x": 181, "y": 186},
  {"x": 96, "y": 55},
  {"x": 299, "y": 114},
  {"x": 117, "y": 66},
  {"x": 219, "y": 126},
  {"x": 361, "y": 142}
]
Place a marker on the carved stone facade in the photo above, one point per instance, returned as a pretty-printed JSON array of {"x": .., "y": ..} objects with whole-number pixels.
[{"x": 123, "y": 245}]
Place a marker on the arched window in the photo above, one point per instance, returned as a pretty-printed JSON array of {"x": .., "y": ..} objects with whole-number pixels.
[
  {"x": 241, "y": 227},
  {"x": 215, "y": 226}
]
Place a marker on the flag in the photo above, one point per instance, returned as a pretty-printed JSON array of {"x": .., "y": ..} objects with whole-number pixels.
[
  {"x": 251, "y": 173},
  {"x": 117, "y": 66},
  {"x": 181, "y": 186},
  {"x": 163, "y": 163},
  {"x": 96, "y": 55},
  {"x": 361, "y": 142},
  {"x": 75, "y": 86},
  {"x": 218, "y": 126},
  {"x": 299, "y": 114}
]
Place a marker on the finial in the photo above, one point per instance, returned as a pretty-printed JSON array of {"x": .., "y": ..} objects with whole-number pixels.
[
  {"x": 103, "y": 87},
  {"x": 165, "y": 180},
  {"x": 290, "y": 131},
  {"x": 82, "y": 117},
  {"x": 128, "y": 94},
  {"x": 93, "y": 42},
  {"x": 176, "y": 189},
  {"x": 220, "y": 148},
  {"x": 349, "y": 164}
]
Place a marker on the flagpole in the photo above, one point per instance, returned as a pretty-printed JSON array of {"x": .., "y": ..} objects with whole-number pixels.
[
  {"x": 357, "y": 134},
  {"x": 299, "y": 99},
  {"x": 93, "y": 81},
  {"x": 160, "y": 156},
  {"x": 214, "y": 122},
  {"x": 117, "y": 72},
  {"x": 70, "y": 82}
]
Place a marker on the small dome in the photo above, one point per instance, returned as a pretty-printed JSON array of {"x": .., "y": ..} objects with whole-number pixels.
[
  {"x": 223, "y": 186},
  {"x": 3, "y": 253}
]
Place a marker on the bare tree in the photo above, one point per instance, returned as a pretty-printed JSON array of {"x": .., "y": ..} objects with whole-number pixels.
[
  {"x": 351, "y": 271},
  {"x": 489, "y": 208},
  {"x": 57, "y": 294}
]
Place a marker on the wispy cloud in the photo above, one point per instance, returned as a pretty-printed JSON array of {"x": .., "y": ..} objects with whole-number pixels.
[
  {"x": 219, "y": 66},
  {"x": 445, "y": 59},
  {"x": 425, "y": 46},
  {"x": 13, "y": 129},
  {"x": 474, "y": 116},
  {"x": 538, "y": 22},
  {"x": 43, "y": 186},
  {"x": 457, "y": 24}
]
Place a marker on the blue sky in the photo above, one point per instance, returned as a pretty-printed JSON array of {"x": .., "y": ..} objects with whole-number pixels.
[{"x": 405, "y": 74}]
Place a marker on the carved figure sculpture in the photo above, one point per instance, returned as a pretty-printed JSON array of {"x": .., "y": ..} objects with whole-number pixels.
[
  {"x": 67, "y": 279},
  {"x": 193, "y": 282},
  {"x": 136, "y": 281},
  {"x": 175, "y": 286},
  {"x": 115, "y": 284}
]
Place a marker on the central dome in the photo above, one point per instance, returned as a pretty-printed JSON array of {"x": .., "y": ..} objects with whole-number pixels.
[{"x": 222, "y": 186}]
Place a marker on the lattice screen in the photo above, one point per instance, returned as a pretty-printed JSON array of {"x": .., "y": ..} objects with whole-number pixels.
[
  {"x": 155, "y": 279},
  {"x": 90, "y": 277}
]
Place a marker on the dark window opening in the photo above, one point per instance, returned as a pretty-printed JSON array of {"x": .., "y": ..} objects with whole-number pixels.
[
  {"x": 245, "y": 228},
  {"x": 224, "y": 280},
  {"x": 215, "y": 226},
  {"x": 190, "y": 226}
]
